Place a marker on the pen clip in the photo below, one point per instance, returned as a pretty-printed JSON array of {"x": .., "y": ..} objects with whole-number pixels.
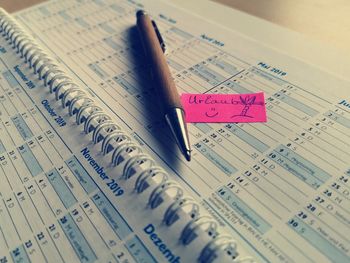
[{"x": 159, "y": 36}]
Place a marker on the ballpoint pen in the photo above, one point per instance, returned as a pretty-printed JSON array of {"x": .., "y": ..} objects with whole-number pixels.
[{"x": 164, "y": 85}]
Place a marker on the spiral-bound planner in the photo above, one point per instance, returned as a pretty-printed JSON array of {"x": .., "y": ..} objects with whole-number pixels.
[
  {"x": 171, "y": 220},
  {"x": 89, "y": 173}
]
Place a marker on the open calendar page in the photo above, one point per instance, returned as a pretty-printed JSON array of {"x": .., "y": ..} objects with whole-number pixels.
[
  {"x": 62, "y": 200},
  {"x": 280, "y": 188},
  {"x": 54, "y": 206}
]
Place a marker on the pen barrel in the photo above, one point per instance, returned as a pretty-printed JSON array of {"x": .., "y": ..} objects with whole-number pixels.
[{"x": 163, "y": 81}]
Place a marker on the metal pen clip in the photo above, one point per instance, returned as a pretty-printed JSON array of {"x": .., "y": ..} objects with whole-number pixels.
[{"x": 159, "y": 36}]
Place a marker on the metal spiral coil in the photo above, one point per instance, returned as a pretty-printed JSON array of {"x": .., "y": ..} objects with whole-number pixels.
[
  {"x": 143, "y": 180},
  {"x": 102, "y": 128},
  {"x": 114, "y": 137},
  {"x": 155, "y": 199},
  {"x": 137, "y": 160},
  {"x": 124, "y": 148},
  {"x": 189, "y": 233},
  {"x": 220, "y": 245},
  {"x": 173, "y": 211}
]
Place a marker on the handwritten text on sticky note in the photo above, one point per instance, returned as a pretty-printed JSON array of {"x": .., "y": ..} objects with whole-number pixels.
[{"x": 224, "y": 107}]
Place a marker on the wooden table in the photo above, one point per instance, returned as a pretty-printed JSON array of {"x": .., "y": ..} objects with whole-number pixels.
[{"x": 324, "y": 20}]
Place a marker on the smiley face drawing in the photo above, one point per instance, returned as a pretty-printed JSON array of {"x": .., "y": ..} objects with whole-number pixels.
[{"x": 212, "y": 113}]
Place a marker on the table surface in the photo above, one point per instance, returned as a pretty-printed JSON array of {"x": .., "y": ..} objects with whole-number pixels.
[{"x": 324, "y": 20}]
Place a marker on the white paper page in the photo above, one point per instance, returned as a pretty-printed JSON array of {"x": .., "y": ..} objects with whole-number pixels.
[
  {"x": 282, "y": 39},
  {"x": 281, "y": 187}
]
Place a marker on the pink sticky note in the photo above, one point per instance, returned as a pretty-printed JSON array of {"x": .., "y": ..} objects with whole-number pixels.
[{"x": 224, "y": 107}]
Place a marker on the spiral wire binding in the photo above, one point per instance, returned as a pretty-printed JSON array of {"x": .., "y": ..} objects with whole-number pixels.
[{"x": 95, "y": 120}]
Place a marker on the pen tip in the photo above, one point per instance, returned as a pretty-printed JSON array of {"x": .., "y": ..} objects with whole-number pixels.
[{"x": 188, "y": 155}]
